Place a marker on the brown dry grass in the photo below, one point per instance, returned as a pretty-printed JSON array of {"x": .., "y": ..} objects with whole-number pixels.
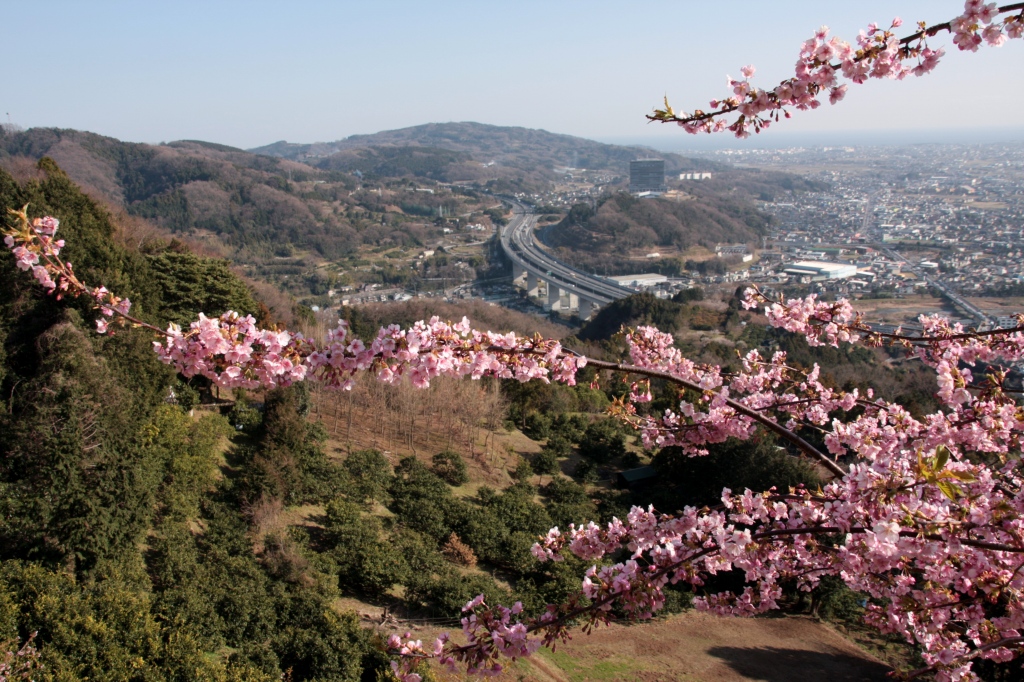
[
  {"x": 687, "y": 647},
  {"x": 902, "y": 310},
  {"x": 1009, "y": 305},
  {"x": 400, "y": 420}
]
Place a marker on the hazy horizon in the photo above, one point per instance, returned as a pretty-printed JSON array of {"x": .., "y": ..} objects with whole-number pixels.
[
  {"x": 685, "y": 143},
  {"x": 780, "y": 139}
]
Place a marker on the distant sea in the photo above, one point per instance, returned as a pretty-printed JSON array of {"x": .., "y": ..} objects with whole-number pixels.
[{"x": 781, "y": 139}]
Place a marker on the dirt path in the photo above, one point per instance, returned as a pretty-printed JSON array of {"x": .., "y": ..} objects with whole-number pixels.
[{"x": 696, "y": 647}]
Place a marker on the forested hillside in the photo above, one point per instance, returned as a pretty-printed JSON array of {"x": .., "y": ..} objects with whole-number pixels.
[
  {"x": 246, "y": 206},
  {"x": 623, "y": 222},
  {"x": 123, "y": 539}
]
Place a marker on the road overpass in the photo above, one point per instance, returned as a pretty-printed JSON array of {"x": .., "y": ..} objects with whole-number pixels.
[
  {"x": 565, "y": 288},
  {"x": 982, "y": 318}
]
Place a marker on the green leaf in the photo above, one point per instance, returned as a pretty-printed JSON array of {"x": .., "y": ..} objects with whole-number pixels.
[{"x": 950, "y": 490}]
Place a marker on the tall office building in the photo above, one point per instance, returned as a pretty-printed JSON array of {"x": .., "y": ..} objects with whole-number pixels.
[{"x": 647, "y": 175}]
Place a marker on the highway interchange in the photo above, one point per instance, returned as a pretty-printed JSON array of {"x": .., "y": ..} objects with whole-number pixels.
[{"x": 518, "y": 243}]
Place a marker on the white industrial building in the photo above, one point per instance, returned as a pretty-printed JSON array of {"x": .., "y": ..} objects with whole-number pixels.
[
  {"x": 640, "y": 281},
  {"x": 821, "y": 270}
]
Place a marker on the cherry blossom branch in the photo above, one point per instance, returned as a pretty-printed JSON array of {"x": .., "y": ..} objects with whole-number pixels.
[
  {"x": 639, "y": 587},
  {"x": 19, "y": 662},
  {"x": 36, "y": 248},
  {"x": 233, "y": 352},
  {"x": 1005, "y": 642},
  {"x": 879, "y": 54},
  {"x": 738, "y": 407}
]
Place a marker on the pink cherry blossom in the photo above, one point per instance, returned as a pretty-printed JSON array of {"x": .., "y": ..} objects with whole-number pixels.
[{"x": 823, "y": 60}]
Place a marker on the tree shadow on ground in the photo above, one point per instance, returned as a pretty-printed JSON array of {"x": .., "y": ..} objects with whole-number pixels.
[{"x": 773, "y": 664}]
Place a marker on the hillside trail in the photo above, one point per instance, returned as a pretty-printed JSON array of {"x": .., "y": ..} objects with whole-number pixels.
[{"x": 693, "y": 647}]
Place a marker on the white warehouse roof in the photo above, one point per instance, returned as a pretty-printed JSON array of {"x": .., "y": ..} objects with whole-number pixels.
[
  {"x": 815, "y": 268},
  {"x": 645, "y": 280}
]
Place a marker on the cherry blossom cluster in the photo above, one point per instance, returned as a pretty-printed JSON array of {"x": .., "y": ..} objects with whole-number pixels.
[
  {"x": 942, "y": 570},
  {"x": 19, "y": 662},
  {"x": 823, "y": 60},
  {"x": 762, "y": 393},
  {"x": 979, "y": 416},
  {"x": 822, "y": 322},
  {"x": 491, "y": 635},
  {"x": 35, "y": 247},
  {"x": 435, "y": 348},
  {"x": 233, "y": 352}
]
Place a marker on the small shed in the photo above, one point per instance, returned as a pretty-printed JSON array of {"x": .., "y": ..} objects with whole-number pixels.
[{"x": 631, "y": 478}]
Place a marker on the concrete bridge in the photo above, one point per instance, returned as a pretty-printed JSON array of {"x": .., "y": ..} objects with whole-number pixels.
[{"x": 561, "y": 287}]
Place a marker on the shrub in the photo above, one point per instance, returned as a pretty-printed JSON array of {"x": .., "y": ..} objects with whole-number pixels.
[
  {"x": 367, "y": 561},
  {"x": 565, "y": 491},
  {"x": 832, "y": 600},
  {"x": 603, "y": 442},
  {"x": 545, "y": 462},
  {"x": 185, "y": 396},
  {"x": 244, "y": 417},
  {"x": 586, "y": 471},
  {"x": 569, "y": 426},
  {"x": 631, "y": 460},
  {"x": 522, "y": 472},
  {"x": 538, "y": 426},
  {"x": 450, "y": 591},
  {"x": 369, "y": 475},
  {"x": 458, "y": 552},
  {"x": 558, "y": 444},
  {"x": 450, "y": 466}
]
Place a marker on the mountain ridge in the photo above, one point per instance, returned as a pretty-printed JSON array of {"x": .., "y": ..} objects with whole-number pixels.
[{"x": 486, "y": 140}]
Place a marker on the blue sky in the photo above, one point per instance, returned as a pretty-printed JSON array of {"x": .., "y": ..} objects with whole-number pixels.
[{"x": 250, "y": 73}]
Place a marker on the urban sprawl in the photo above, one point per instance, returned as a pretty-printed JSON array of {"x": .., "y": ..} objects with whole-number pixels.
[{"x": 944, "y": 221}]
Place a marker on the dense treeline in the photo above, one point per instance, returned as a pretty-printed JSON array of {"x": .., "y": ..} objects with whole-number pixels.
[{"x": 124, "y": 540}]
